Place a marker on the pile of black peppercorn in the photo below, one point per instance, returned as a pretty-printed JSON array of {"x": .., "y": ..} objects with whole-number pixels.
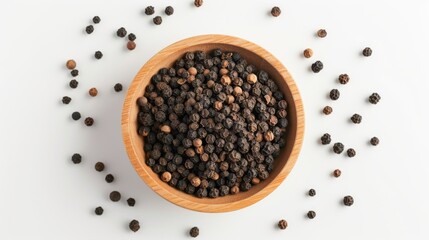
[{"x": 212, "y": 124}]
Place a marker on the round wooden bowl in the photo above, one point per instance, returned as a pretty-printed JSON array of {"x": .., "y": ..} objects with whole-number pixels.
[{"x": 254, "y": 55}]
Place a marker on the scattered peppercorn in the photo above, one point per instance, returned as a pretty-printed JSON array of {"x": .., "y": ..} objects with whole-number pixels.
[
  {"x": 99, "y": 166},
  {"x": 337, "y": 173},
  {"x": 282, "y": 224},
  {"x": 109, "y": 178},
  {"x": 66, "y": 100},
  {"x": 322, "y": 33},
  {"x": 348, "y": 200},
  {"x": 131, "y": 45},
  {"x": 76, "y": 116},
  {"x": 195, "y": 231},
  {"x": 157, "y": 20},
  {"x": 149, "y": 10},
  {"x": 198, "y": 3},
  {"x": 132, "y": 37},
  {"x": 374, "y": 141},
  {"x": 71, "y": 64},
  {"x": 311, "y": 214},
  {"x": 308, "y": 53},
  {"x": 89, "y": 29},
  {"x": 121, "y": 32},
  {"x": 74, "y": 72},
  {"x": 169, "y": 10},
  {"x": 118, "y": 87},
  {"x": 275, "y": 11},
  {"x": 356, "y": 118},
  {"x": 334, "y": 94},
  {"x": 326, "y": 139},
  {"x": 338, "y": 148},
  {"x": 351, "y": 152},
  {"x": 312, "y": 193},
  {"x": 374, "y": 98},
  {"x": 134, "y": 225},
  {"x": 76, "y": 158},
  {"x": 131, "y": 202},
  {"x": 115, "y": 196},
  {"x": 73, "y": 83},
  {"x": 367, "y": 52},
  {"x": 327, "y": 110},
  {"x": 89, "y": 121},
  {"x": 99, "y": 211},
  {"x": 343, "y": 78},
  {"x": 317, "y": 66},
  {"x": 98, "y": 55},
  {"x": 93, "y": 92},
  {"x": 96, "y": 19}
]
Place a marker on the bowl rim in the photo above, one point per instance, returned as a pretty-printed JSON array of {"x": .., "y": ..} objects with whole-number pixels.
[{"x": 126, "y": 124}]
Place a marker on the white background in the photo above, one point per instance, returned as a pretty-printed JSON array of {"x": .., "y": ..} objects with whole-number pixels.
[{"x": 44, "y": 196}]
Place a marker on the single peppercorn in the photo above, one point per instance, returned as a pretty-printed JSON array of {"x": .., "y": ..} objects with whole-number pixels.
[
  {"x": 367, "y": 52},
  {"x": 117, "y": 87},
  {"x": 89, "y": 121},
  {"x": 96, "y": 19},
  {"x": 317, "y": 66},
  {"x": 327, "y": 110},
  {"x": 311, "y": 214},
  {"x": 374, "y": 98},
  {"x": 66, "y": 100},
  {"x": 93, "y": 92},
  {"x": 374, "y": 141},
  {"x": 73, "y": 83},
  {"x": 71, "y": 64},
  {"x": 348, "y": 200},
  {"x": 74, "y": 72},
  {"x": 194, "y": 232},
  {"x": 99, "y": 211},
  {"x": 308, "y": 53},
  {"x": 134, "y": 225},
  {"x": 76, "y": 116},
  {"x": 99, "y": 166},
  {"x": 166, "y": 177},
  {"x": 98, "y": 55},
  {"x": 198, "y": 3},
  {"x": 89, "y": 29},
  {"x": 356, "y": 118},
  {"x": 312, "y": 193},
  {"x": 334, "y": 94},
  {"x": 322, "y": 33},
  {"x": 157, "y": 20},
  {"x": 131, "y": 202},
  {"x": 149, "y": 10},
  {"x": 343, "y": 78},
  {"x": 131, "y": 45},
  {"x": 351, "y": 152},
  {"x": 115, "y": 196},
  {"x": 338, "y": 148},
  {"x": 109, "y": 178},
  {"x": 121, "y": 32},
  {"x": 282, "y": 224},
  {"x": 76, "y": 158},
  {"x": 275, "y": 11},
  {"x": 326, "y": 139},
  {"x": 337, "y": 173},
  {"x": 132, "y": 37},
  {"x": 169, "y": 10}
]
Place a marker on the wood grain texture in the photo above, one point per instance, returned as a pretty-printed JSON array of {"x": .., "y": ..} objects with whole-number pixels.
[{"x": 255, "y": 55}]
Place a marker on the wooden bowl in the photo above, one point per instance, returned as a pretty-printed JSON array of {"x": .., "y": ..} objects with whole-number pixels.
[{"x": 254, "y": 55}]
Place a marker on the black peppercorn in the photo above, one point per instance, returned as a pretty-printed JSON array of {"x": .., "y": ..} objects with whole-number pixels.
[
  {"x": 73, "y": 83},
  {"x": 96, "y": 19},
  {"x": 149, "y": 10},
  {"x": 343, "y": 78},
  {"x": 282, "y": 224},
  {"x": 337, "y": 173},
  {"x": 66, "y": 100},
  {"x": 334, "y": 94},
  {"x": 312, "y": 193},
  {"x": 348, "y": 200},
  {"x": 275, "y": 11},
  {"x": 115, "y": 196},
  {"x": 109, "y": 178},
  {"x": 118, "y": 87},
  {"x": 317, "y": 66},
  {"x": 131, "y": 202},
  {"x": 326, "y": 139},
  {"x": 99, "y": 211},
  {"x": 374, "y": 141},
  {"x": 76, "y": 158},
  {"x": 89, "y": 29},
  {"x": 374, "y": 98},
  {"x": 356, "y": 118},
  {"x": 194, "y": 232},
  {"x": 98, "y": 55},
  {"x": 89, "y": 121},
  {"x": 351, "y": 152},
  {"x": 121, "y": 32},
  {"x": 74, "y": 72},
  {"x": 322, "y": 33},
  {"x": 134, "y": 225},
  {"x": 311, "y": 214},
  {"x": 169, "y": 10},
  {"x": 99, "y": 166},
  {"x": 132, "y": 37},
  {"x": 367, "y": 52},
  {"x": 76, "y": 116},
  {"x": 338, "y": 148},
  {"x": 157, "y": 20}
]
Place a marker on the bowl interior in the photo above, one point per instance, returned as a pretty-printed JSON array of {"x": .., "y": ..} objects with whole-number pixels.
[{"x": 283, "y": 163}]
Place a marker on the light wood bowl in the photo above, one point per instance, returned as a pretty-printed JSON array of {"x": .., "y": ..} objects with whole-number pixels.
[{"x": 254, "y": 55}]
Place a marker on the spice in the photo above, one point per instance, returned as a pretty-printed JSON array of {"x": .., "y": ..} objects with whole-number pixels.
[
  {"x": 117, "y": 87},
  {"x": 334, "y": 94},
  {"x": 132, "y": 37},
  {"x": 312, "y": 193},
  {"x": 76, "y": 116},
  {"x": 196, "y": 181},
  {"x": 149, "y": 10},
  {"x": 374, "y": 141},
  {"x": 308, "y": 53},
  {"x": 252, "y": 78},
  {"x": 166, "y": 177},
  {"x": 93, "y": 92},
  {"x": 337, "y": 173},
  {"x": 322, "y": 33},
  {"x": 98, "y": 55},
  {"x": 351, "y": 152},
  {"x": 71, "y": 64},
  {"x": 99, "y": 211},
  {"x": 89, "y": 29},
  {"x": 338, "y": 148},
  {"x": 76, "y": 158},
  {"x": 131, "y": 202},
  {"x": 317, "y": 66},
  {"x": 282, "y": 224},
  {"x": 326, "y": 139},
  {"x": 311, "y": 214},
  {"x": 343, "y": 78},
  {"x": 134, "y": 225},
  {"x": 89, "y": 121},
  {"x": 198, "y": 3},
  {"x": 169, "y": 10},
  {"x": 66, "y": 100},
  {"x": 96, "y": 19},
  {"x": 74, "y": 72},
  {"x": 348, "y": 200},
  {"x": 374, "y": 98},
  {"x": 367, "y": 52},
  {"x": 165, "y": 129},
  {"x": 131, "y": 45},
  {"x": 275, "y": 11},
  {"x": 99, "y": 166},
  {"x": 109, "y": 178},
  {"x": 327, "y": 110},
  {"x": 121, "y": 32},
  {"x": 195, "y": 231},
  {"x": 115, "y": 196},
  {"x": 73, "y": 83},
  {"x": 157, "y": 20},
  {"x": 356, "y": 118}
]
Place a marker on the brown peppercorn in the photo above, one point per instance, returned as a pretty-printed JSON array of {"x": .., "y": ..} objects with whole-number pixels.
[
  {"x": 269, "y": 136},
  {"x": 237, "y": 91},
  {"x": 204, "y": 157},
  {"x": 275, "y": 11},
  {"x": 356, "y": 118},
  {"x": 217, "y": 105},
  {"x": 374, "y": 141},
  {"x": 115, "y": 196},
  {"x": 327, "y": 110},
  {"x": 196, "y": 181},
  {"x": 195, "y": 231},
  {"x": 89, "y": 121},
  {"x": 223, "y": 71},
  {"x": 134, "y": 225},
  {"x": 348, "y": 200},
  {"x": 71, "y": 64},
  {"x": 197, "y": 142},
  {"x": 311, "y": 214},
  {"x": 93, "y": 92},
  {"x": 308, "y": 53},
  {"x": 166, "y": 177},
  {"x": 337, "y": 173},
  {"x": 198, "y": 3},
  {"x": 199, "y": 150},
  {"x": 230, "y": 99},
  {"x": 322, "y": 33},
  {"x": 165, "y": 129},
  {"x": 99, "y": 166},
  {"x": 157, "y": 20},
  {"x": 343, "y": 78},
  {"x": 131, "y": 45},
  {"x": 255, "y": 181},
  {"x": 192, "y": 71},
  {"x": 225, "y": 80},
  {"x": 235, "y": 190},
  {"x": 282, "y": 224},
  {"x": 252, "y": 78},
  {"x": 351, "y": 152}
]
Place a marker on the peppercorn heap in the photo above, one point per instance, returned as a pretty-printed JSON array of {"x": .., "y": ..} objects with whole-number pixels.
[{"x": 212, "y": 124}]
